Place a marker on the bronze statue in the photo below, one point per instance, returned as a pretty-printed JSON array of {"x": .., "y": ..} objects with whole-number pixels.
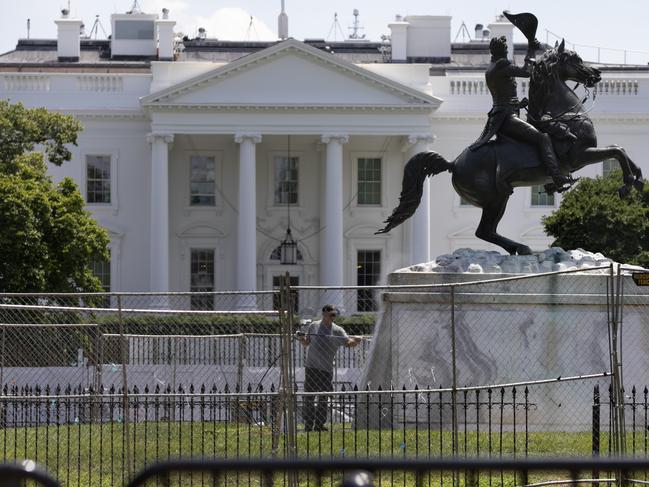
[{"x": 557, "y": 139}]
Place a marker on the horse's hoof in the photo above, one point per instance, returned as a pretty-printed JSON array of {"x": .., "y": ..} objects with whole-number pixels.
[
  {"x": 623, "y": 191},
  {"x": 523, "y": 250},
  {"x": 638, "y": 184}
]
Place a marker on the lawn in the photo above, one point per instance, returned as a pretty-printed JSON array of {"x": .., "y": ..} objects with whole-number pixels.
[{"x": 98, "y": 454}]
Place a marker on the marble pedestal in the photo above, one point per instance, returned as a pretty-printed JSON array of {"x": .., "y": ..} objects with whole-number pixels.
[{"x": 541, "y": 328}]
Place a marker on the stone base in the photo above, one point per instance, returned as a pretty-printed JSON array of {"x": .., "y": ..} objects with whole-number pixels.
[{"x": 539, "y": 328}]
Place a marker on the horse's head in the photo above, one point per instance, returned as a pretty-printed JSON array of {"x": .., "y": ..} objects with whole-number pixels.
[{"x": 570, "y": 66}]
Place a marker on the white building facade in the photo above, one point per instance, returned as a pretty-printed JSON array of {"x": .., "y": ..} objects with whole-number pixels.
[{"x": 197, "y": 162}]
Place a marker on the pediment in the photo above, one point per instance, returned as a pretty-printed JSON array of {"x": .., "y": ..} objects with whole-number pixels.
[{"x": 290, "y": 74}]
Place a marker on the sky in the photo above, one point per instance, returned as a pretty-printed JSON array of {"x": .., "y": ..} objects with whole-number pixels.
[{"x": 612, "y": 26}]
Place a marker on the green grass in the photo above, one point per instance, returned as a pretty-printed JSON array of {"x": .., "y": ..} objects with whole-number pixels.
[{"x": 97, "y": 454}]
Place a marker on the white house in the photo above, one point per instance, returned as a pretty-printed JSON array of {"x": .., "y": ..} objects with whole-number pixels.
[{"x": 197, "y": 157}]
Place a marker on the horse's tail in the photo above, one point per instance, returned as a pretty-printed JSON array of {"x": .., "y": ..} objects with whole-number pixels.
[{"x": 417, "y": 169}]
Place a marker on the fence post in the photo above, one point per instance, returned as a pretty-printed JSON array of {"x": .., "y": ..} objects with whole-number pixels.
[
  {"x": 287, "y": 391},
  {"x": 596, "y": 430},
  {"x": 454, "y": 377},
  {"x": 124, "y": 358},
  {"x": 455, "y": 447},
  {"x": 241, "y": 359}
]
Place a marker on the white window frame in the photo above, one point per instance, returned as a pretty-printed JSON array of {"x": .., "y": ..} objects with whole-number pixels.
[
  {"x": 271, "y": 206},
  {"x": 354, "y": 244},
  {"x": 189, "y": 266},
  {"x": 218, "y": 180},
  {"x": 372, "y": 248},
  {"x": 201, "y": 235},
  {"x": 355, "y": 156},
  {"x": 530, "y": 206},
  {"x": 114, "y": 193}
]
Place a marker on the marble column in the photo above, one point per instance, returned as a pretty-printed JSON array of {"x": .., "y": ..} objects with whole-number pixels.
[
  {"x": 159, "y": 229},
  {"x": 331, "y": 213},
  {"x": 246, "y": 279},
  {"x": 421, "y": 225}
]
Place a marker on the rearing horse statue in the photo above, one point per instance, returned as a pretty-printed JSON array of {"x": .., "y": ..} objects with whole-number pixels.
[{"x": 486, "y": 177}]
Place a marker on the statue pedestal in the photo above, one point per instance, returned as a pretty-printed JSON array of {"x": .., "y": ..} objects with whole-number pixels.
[{"x": 540, "y": 328}]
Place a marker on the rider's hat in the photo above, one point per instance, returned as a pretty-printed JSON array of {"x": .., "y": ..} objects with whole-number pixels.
[{"x": 527, "y": 23}]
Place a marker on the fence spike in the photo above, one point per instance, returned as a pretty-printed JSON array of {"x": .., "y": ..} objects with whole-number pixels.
[
  {"x": 191, "y": 388},
  {"x": 272, "y": 387},
  {"x": 202, "y": 388},
  {"x": 249, "y": 387},
  {"x": 168, "y": 389},
  {"x": 146, "y": 389},
  {"x": 226, "y": 389},
  {"x": 181, "y": 390},
  {"x": 355, "y": 387},
  {"x": 136, "y": 389},
  {"x": 157, "y": 388},
  {"x": 213, "y": 389}
]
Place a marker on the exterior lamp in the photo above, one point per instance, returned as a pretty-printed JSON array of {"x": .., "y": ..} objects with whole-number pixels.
[{"x": 288, "y": 247}]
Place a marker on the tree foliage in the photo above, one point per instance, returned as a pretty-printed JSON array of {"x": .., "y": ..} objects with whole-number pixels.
[
  {"x": 593, "y": 217},
  {"x": 47, "y": 239}
]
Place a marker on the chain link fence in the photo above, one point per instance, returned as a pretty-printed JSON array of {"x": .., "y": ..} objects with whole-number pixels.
[{"x": 96, "y": 387}]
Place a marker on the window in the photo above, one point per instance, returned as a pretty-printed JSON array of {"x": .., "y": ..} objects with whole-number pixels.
[
  {"x": 202, "y": 180},
  {"x": 609, "y": 166},
  {"x": 368, "y": 271},
  {"x": 98, "y": 180},
  {"x": 369, "y": 181},
  {"x": 277, "y": 282},
  {"x": 286, "y": 180},
  {"x": 202, "y": 278},
  {"x": 101, "y": 270},
  {"x": 540, "y": 197}
]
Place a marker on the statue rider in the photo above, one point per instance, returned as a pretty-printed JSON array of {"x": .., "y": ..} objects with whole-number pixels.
[{"x": 504, "y": 117}]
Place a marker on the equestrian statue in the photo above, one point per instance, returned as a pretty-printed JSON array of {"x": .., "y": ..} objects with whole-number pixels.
[{"x": 557, "y": 138}]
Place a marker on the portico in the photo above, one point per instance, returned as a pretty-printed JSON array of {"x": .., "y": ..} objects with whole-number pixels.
[{"x": 330, "y": 108}]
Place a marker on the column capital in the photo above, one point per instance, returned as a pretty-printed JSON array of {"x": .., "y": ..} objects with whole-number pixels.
[
  {"x": 254, "y": 138},
  {"x": 340, "y": 138},
  {"x": 414, "y": 139},
  {"x": 159, "y": 137}
]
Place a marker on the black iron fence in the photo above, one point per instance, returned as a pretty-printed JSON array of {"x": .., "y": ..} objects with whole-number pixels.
[{"x": 90, "y": 437}]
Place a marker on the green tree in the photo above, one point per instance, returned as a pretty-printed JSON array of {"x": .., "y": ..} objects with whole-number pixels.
[
  {"x": 593, "y": 217},
  {"x": 47, "y": 238}
]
